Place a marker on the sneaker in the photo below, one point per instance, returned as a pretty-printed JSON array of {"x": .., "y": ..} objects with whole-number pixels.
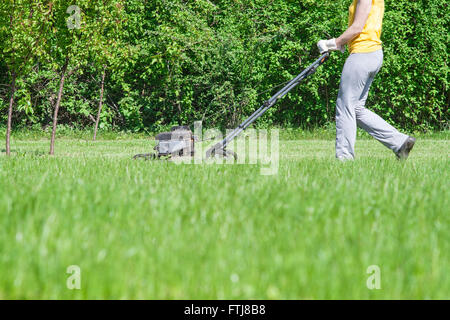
[
  {"x": 405, "y": 149},
  {"x": 344, "y": 158}
]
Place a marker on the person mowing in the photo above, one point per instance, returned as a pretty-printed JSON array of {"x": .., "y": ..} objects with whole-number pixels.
[{"x": 364, "y": 62}]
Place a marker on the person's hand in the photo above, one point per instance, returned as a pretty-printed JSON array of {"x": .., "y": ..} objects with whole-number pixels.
[{"x": 329, "y": 45}]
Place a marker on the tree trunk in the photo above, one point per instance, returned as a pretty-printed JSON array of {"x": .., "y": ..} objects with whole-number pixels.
[
  {"x": 100, "y": 103},
  {"x": 58, "y": 102},
  {"x": 11, "y": 103}
]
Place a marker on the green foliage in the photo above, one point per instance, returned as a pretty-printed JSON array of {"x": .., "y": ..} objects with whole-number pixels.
[
  {"x": 158, "y": 230},
  {"x": 174, "y": 62}
]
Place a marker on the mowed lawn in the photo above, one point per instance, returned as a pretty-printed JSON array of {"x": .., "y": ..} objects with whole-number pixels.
[{"x": 159, "y": 230}]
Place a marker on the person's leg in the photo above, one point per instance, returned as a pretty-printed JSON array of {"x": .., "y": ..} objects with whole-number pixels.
[
  {"x": 353, "y": 79},
  {"x": 380, "y": 129},
  {"x": 370, "y": 121}
]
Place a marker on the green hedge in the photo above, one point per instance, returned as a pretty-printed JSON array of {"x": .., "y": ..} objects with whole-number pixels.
[{"x": 208, "y": 60}]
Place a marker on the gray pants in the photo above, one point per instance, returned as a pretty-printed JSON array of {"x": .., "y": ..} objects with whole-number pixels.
[{"x": 359, "y": 71}]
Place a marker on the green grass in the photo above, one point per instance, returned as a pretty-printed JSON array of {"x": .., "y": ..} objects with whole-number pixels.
[
  {"x": 326, "y": 132},
  {"x": 159, "y": 230}
]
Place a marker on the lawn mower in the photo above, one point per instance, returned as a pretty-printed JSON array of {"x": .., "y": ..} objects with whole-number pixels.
[{"x": 180, "y": 140}]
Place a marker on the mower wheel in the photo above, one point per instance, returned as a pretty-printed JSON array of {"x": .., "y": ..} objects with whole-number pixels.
[{"x": 225, "y": 154}]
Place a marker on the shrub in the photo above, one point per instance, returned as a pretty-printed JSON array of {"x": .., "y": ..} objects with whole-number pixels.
[{"x": 208, "y": 60}]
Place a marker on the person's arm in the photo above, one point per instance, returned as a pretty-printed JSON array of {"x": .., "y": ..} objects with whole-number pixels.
[{"x": 362, "y": 13}]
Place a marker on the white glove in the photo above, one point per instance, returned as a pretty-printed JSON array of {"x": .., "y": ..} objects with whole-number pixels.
[{"x": 329, "y": 45}]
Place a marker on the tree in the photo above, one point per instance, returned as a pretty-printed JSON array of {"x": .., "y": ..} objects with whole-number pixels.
[
  {"x": 107, "y": 49},
  {"x": 100, "y": 103},
  {"x": 61, "y": 48},
  {"x": 76, "y": 38},
  {"x": 21, "y": 32}
]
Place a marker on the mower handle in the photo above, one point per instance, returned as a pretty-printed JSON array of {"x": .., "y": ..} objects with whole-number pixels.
[{"x": 267, "y": 104}]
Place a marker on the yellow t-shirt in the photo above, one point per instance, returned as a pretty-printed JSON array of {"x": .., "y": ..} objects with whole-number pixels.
[{"x": 369, "y": 39}]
